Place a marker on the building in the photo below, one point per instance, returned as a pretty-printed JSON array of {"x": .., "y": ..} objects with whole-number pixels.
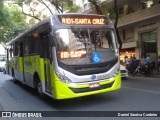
[{"x": 139, "y": 27}]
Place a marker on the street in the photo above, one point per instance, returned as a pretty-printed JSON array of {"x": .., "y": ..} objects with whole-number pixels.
[{"x": 137, "y": 94}]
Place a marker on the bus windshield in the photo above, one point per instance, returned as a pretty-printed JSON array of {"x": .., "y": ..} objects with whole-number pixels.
[{"x": 80, "y": 46}]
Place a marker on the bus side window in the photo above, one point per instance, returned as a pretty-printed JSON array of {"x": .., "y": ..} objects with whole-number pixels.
[
  {"x": 34, "y": 45},
  {"x": 21, "y": 49},
  {"x": 44, "y": 31},
  {"x": 10, "y": 52},
  {"x": 26, "y": 45},
  {"x": 44, "y": 44},
  {"x": 16, "y": 48}
]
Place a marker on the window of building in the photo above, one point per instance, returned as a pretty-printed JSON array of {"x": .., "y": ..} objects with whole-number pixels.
[
  {"x": 128, "y": 35},
  {"x": 124, "y": 35},
  {"x": 149, "y": 45}
]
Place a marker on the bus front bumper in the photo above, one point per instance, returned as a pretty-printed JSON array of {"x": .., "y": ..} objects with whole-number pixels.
[{"x": 65, "y": 91}]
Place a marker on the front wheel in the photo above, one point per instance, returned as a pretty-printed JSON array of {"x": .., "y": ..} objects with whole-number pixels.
[{"x": 40, "y": 90}]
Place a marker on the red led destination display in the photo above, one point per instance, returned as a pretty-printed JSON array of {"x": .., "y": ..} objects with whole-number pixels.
[
  {"x": 72, "y": 54},
  {"x": 83, "y": 20}
]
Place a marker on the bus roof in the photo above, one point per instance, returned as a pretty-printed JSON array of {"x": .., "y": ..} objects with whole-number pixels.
[{"x": 74, "y": 16}]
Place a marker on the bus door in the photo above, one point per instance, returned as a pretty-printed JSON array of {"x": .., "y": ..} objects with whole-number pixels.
[
  {"x": 47, "y": 60},
  {"x": 22, "y": 61}
]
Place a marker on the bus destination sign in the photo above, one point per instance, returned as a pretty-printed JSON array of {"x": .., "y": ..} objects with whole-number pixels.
[{"x": 83, "y": 20}]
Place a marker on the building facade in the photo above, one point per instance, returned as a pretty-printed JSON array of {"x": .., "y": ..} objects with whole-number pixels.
[{"x": 139, "y": 28}]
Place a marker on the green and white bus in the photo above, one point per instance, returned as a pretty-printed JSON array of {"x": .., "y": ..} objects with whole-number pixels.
[{"x": 67, "y": 56}]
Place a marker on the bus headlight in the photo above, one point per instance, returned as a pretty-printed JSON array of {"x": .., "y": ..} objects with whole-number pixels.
[
  {"x": 116, "y": 72},
  {"x": 63, "y": 78}
]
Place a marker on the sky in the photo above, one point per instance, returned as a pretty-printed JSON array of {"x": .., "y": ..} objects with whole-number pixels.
[{"x": 2, "y": 50}]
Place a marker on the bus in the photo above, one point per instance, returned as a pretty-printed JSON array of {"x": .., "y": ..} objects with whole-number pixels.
[{"x": 67, "y": 56}]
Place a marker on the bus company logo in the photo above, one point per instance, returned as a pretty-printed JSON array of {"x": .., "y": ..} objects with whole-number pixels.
[{"x": 93, "y": 77}]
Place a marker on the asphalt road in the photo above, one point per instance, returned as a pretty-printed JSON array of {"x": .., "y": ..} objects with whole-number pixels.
[{"x": 136, "y": 94}]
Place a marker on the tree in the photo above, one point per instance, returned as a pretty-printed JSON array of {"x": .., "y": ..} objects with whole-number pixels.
[
  {"x": 115, "y": 24},
  {"x": 64, "y": 5},
  {"x": 12, "y": 22},
  {"x": 99, "y": 7},
  {"x": 27, "y": 3},
  {"x": 36, "y": 14}
]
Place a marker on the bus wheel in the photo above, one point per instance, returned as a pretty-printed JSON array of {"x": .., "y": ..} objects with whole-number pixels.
[{"x": 39, "y": 89}]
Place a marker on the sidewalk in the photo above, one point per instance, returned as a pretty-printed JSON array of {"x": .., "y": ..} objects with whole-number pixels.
[{"x": 155, "y": 73}]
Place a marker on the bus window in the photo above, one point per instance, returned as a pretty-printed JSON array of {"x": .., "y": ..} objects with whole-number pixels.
[
  {"x": 34, "y": 42},
  {"x": 26, "y": 45},
  {"x": 11, "y": 51},
  {"x": 80, "y": 46},
  {"x": 44, "y": 38},
  {"x": 16, "y": 49},
  {"x": 21, "y": 49}
]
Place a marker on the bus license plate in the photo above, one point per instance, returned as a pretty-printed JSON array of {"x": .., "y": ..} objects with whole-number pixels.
[{"x": 93, "y": 85}]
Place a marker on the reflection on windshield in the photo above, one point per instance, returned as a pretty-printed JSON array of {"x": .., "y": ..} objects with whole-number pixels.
[{"x": 77, "y": 46}]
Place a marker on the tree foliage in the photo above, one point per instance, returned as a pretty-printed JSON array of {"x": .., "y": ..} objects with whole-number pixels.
[
  {"x": 37, "y": 15},
  {"x": 105, "y": 8},
  {"x": 97, "y": 5},
  {"x": 12, "y": 21}
]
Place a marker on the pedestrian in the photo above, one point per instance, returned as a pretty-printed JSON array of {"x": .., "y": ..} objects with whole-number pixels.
[
  {"x": 147, "y": 60},
  {"x": 130, "y": 59},
  {"x": 134, "y": 57},
  {"x": 159, "y": 60},
  {"x": 133, "y": 63},
  {"x": 126, "y": 60},
  {"x": 143, "y": 61},
  {"x": 158, "y": 63}
]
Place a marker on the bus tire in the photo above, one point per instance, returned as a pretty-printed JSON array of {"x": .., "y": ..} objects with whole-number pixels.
[
  {"x": 39, "y": 89},
  {"x": 38, "y": 86}
]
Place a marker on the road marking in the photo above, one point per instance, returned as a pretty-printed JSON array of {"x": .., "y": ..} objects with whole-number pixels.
[{"x": 143, "y": 90}]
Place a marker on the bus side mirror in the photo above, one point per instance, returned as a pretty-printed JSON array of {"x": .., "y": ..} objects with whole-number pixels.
[{"x": 51, "y": 39}]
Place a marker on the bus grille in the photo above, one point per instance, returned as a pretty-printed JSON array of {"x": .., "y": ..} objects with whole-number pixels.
[{"x": 81, "y": 90}]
